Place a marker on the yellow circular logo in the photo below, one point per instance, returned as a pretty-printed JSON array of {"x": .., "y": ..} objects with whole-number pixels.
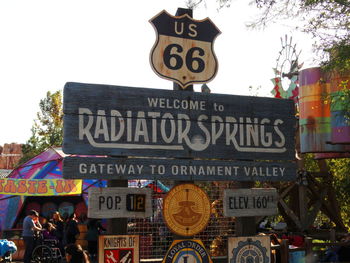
[{"x": 186, "y": 209}]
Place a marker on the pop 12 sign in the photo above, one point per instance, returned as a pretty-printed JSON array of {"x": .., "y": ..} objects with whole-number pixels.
[{"x": 119, "y": 202}]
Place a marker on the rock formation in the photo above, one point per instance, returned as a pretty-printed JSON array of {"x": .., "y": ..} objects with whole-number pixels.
[{"x": 10, "y": 154}]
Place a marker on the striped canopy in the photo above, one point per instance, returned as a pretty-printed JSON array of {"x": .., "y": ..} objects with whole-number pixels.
[{"x": 48, "y": 165}]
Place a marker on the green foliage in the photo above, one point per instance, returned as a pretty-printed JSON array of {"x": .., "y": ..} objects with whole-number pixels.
[
  {"x": 340, "y": 100},
  {"x": 340, "y": 168},
  {"x": 47, "y": 129},
  {"x": 339, "y": 58},
  {"x": 310, "y": 163},
  {"x": 328, "y": 22}
]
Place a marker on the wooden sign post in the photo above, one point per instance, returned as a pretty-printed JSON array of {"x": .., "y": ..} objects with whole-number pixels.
[
  {"x": 199, "y": 136},
  {"x": 117, "y": 225}
]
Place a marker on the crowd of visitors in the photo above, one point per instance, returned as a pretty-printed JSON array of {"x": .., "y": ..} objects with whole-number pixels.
[{"x": 64, "y": 233}]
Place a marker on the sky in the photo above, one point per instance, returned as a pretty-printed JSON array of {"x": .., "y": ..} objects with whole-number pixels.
[{"x": 46, "y": 43}]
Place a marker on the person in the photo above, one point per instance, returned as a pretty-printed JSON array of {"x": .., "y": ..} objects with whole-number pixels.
[
  {"x": 275, "y": 253},
  {"x": 344, "y": 250},
  {"x": 58, "y": 223},
  {"x": 49, "y": 232},
  {"x": 94, "y": 228},
  {"x": 37, "y": 233},
  {"x": 72, "y": 230},
  {"x": 31, "y": 225},
  {"x": 75, "y": 254}
]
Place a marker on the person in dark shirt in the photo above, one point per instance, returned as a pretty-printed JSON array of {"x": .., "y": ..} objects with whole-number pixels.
[
  {"x": 344, "y": 251},
  {"x": 75, "y": 254},
  {"x": 72, "y": 230},
  {"x": 94, "y": 228},
  {"x": 58, "y": 223}
]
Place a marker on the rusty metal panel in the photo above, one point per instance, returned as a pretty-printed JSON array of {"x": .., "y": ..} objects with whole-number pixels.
[
  {"x": 340, "y": 123},
  {"x": 319, "y": 156},
  {"x": 315, "y": 114}
]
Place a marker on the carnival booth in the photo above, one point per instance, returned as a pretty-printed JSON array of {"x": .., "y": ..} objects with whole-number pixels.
[{"x": 38, "y": 184}]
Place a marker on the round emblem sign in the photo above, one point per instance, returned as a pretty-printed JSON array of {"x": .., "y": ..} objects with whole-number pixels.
[
  {"x": 250, "y": 251},
  {"x": 187, "y": 251},
  {"x": 186, "y": 209}
]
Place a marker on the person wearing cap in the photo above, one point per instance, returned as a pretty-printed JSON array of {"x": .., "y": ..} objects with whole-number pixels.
[{"x": 30, "y": 226}]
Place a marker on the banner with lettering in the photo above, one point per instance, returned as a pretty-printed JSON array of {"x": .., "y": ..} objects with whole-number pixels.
[{"x": 40, "y": 187}]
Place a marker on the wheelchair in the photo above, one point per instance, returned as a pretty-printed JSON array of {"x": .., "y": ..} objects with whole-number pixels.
[{"x": 47, "y": 251}]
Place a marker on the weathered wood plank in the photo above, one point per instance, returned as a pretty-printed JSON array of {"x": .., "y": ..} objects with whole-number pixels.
[
  {"x": 176, "y": 169},
  {"x": 124, "y": 121},
  {"x": 250, "y": 202},
  {"x": 119, "y": 202},
  {"x": 290, "y": 213}
]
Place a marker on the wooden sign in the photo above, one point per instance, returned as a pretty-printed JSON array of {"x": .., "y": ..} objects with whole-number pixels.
[
  {"x": 250, "y": 202},
  {"x": 123, "y": 121},
  {"x": 186, "y": 209},
  {"x": 187, "y": 251},
  {"x": 249, "y": 249},
  {"x": 121, "y": 248},
  {"x": 119, "y": 202},
  {"x": 176, "y": 169},
  {"x": 184, "y": 51}
]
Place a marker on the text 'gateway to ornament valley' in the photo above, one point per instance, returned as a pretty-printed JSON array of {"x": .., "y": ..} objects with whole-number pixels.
[
  {"x": 75, "y": 167},
  {"x": 192, "y": 170}
]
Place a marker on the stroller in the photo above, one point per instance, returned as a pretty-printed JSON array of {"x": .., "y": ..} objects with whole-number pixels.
[{"x": 7, "y": 248}]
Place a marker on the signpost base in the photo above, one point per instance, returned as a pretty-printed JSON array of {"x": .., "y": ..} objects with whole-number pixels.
[
  {"x": 245, "y": 226},
  {"x": 117, "y": 226}
]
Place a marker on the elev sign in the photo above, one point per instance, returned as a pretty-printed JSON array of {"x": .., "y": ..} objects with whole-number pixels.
[
  {"x": 250, "y": 202},
  {"x": 124, "y": 121}
]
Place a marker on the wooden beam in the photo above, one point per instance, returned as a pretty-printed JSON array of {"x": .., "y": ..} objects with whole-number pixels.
[{"x": 290, "y": 213}]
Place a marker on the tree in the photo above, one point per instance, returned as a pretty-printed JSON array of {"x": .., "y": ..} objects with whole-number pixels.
[
  {"x": 47, "y": 129},
  {"x": 327, "y": 21},
  {"x": 340, "y": 169}
]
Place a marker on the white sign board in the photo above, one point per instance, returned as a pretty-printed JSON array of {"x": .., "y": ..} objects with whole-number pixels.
[
  {"x": 121, "y": 248},
  {"x": 249, "y": 249},
  {"x": 250, "y": 202},
  {"x": 119, "y": 202}
]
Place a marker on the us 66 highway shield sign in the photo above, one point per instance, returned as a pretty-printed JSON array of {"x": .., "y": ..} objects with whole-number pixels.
[{"x": 183, "y": 51}]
